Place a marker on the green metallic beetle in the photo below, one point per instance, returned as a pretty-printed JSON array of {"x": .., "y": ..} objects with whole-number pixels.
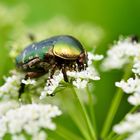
[{"x": 61, "y": 52}]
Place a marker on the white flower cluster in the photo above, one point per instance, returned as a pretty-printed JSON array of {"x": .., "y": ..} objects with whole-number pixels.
[
  {"x": 88, "y": 73},
  {"x": 7, "y": 105},
  {"x": 51, "y": 85},
  {"x": 130, "y": 51},
  {"x": 121, "y": 53},
  {"x": 30, "y": 119},
  {"x": 80, "y": 84},
  {"x": 94, "y": 57},
  {"x": 29, "y": 81},
  {"x": 130, "y": 126},
  {"x": 131, "y": 86},
  {"x": 136, "y": 65},
  {"x": 81, "y": 78},
  {"x": 12, "y": 84}
]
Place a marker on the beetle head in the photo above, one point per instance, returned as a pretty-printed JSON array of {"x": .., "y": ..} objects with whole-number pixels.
[{"x": 82, "y": 61}]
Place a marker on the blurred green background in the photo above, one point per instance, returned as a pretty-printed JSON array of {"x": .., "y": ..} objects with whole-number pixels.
[{"x": 115, "y": 17}]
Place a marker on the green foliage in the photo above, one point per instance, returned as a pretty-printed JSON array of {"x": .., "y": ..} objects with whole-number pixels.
[{"x": 118, "y": 17}]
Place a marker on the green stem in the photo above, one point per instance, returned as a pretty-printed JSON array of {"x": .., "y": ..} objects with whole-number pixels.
[
  {"x": 74, "y": 111},
  {"x": 112, "y": 133},
  {"x": 85, "y": 115},
  {"x": 114, "y": 105},
  {"x": 121, "y": 137},
  {"x": 67, "y": 135},
  {"x": 92, "y": 113},
  {"x": 134, "y": 109},
  {"x": 80, "y": 125},
  {"x": 110, "y": 136}
]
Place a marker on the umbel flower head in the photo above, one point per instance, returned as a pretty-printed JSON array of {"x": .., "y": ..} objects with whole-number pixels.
[
  {"x": 130, "y": 127},
  {"x": 31, "y": 120},
  {"x": 132, "y": 85},
  {"x": 126, "y": 52},
  {"x": 122, "y": 52},
  {"x": 11, "y": 85}
]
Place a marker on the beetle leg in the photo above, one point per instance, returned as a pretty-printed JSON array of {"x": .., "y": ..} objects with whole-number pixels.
[
  {"x": 45, "y": 66},
  {"x": 21, "y": 90},
  {"x": 33, "y": 62},
  {"x": 52, "y": 70},
  {"x": 35, "y": 74},
  {"x": 29, "y": 75},
  {"x": 22, "y": 87},
  {"x": 51, "y": 76},
  {"x": 64, "y": 73}
]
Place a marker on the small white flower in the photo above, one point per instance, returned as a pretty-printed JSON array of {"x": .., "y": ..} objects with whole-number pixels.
[
  {"x": 131, "y": 86},
  {"x": 122, "y": 128},
  {"x": 80, "y": 84},
  {"x": 95, "y": 57},
  {"x": 134, "y": 99},
  {"x": 120, "y": 54},
  {"x": 18, "y": 137},
  {"x": 29, "y": 118},
  {"x": 40, "y": 136},
  {"x": 29, "y": 127},
  {"x": 134, "y": 136},
  {"x": 89, "y": 73},
  {"x": 92, "y": 57},
  {"x": 11, "y": 85},
  {"x": 136, "y": 66},
  {"x": 3, "y": 127},
  {"x": 7, "y": 105},
  {"x": 28, "y": 81},
  {"x": 51, "y": 85},
  {"x": 130, "y": 126}
]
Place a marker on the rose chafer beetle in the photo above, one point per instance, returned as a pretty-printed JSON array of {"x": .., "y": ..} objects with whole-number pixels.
[{"x": 61, "y": 52}]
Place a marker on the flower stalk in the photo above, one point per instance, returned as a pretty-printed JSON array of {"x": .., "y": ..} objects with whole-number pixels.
[
  {"x": 85, "y": 115},
  {"x": 91, "y": 105},
  {"x": 115, "y": 104}
]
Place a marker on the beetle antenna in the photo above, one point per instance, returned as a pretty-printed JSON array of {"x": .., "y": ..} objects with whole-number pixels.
[
  {"x": 31, "y": 37},
  {"x": 64, "y": 73}
]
